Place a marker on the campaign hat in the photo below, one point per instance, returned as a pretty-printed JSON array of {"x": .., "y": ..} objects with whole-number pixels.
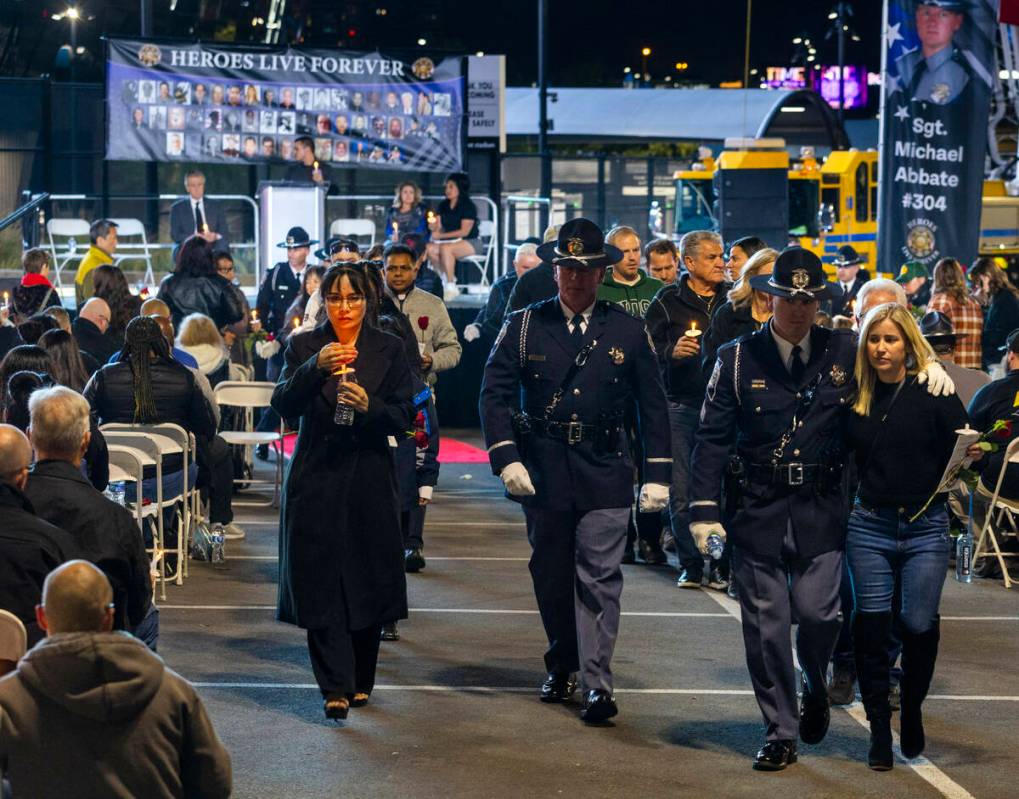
[
  {"x": 297, "y": 237},
  {"x": 847, "y": 256},
  {"x": 580, "y": 244},
  {"x": 797, "y": 273},
  {"x": 337, "y": 244}
]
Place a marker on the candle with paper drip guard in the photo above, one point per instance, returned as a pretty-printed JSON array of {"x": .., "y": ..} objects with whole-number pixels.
[
  {"x": 693, "y": 332},
  {"x": 297, "y": 322},
  {"x": 344, "y": 415},
  {"x": 254, "y": 314}
]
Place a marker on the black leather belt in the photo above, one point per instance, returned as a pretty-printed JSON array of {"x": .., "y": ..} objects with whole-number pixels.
[
  {"x": 786, "y": 474},
  {"x": 570, "y": 432}
]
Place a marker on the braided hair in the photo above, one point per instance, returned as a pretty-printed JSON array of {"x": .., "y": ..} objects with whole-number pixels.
[{"x": 142, "y": 340}]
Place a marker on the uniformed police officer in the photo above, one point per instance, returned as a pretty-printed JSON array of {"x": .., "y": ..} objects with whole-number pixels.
[
  {"x": 783, "y": 393},
  {"x": 279, "y": 287},
  {"x": 938, "y": 71},
  {"x": 571, "y": 364}
]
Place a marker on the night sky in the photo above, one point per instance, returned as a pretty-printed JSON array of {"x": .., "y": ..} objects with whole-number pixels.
[{"x": 591, "y": 41}]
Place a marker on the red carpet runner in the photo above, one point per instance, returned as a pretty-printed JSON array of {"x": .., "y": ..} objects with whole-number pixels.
[{"x": 450, "y": 450}]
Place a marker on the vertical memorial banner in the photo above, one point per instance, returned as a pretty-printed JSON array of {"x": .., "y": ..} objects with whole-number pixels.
[
  {"x": 939, "y": 73},
  {"x": 209, "y": 103}
]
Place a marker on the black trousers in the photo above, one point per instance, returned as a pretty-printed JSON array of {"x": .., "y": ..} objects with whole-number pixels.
[
  {"x": 413, "y": 523},
  {"x": 344, "y": 661},
  {"x": 215, "y": 478}
]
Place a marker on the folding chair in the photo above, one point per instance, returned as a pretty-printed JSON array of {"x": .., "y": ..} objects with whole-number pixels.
[
  {"x": 126, "y": 466},
  {"x": 128, "y": 250},
  {"x": 74, "y": 248},
  {"x": 354, "y": 228},
  {"x": 999, "y": 512},
  {"x": 482, "y": 261},
  {"x": 250, "y": 396}
]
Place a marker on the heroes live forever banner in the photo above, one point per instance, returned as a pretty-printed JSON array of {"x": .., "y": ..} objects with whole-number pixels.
[
  {"x": 199, "y": 102},
  {"x": 938, "y": 80}
]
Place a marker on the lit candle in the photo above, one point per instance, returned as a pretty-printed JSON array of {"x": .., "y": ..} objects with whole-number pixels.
[
  {"x": 6, "y": 295},
  {"x": 205, "y": 227},
  {"x": 314, "y": 166},
  {"x": 254, "y": 314},
  {"x": 396, "y": 229},
  {"x": 693, "y": 332},
  {"x": 297, "y": 322}
]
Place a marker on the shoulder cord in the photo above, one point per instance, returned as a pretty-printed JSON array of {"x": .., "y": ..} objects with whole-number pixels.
[
  {"x": 735, "y": 373},
  {"x": 525, "y": 321}
]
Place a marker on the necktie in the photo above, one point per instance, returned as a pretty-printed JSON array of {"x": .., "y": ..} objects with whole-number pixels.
[
  {"x": 796, "y": 365},
  {"x": 577, "y": 335},
  {"x": 199, "y": 218}
]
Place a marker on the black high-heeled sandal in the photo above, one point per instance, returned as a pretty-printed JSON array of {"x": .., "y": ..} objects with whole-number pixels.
[
  {"x": 358, "y": 699},
  {"x": 336, "y": 707}
]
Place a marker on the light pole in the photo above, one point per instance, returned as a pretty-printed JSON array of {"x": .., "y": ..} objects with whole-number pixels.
[
  {"x": 839, "y": 17},
  {"x": 546, "y": 164},
  {"x": 644, "y": 54}
]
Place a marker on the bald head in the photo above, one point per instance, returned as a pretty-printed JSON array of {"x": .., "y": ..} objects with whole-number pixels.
[
  {"x": 15, "y": 456},
  {"x": 155, "y": 307},
  {"x": 76, "y": 598},
  {"x": 97, "y": 312},
  {"x": 167, "y": 327}
]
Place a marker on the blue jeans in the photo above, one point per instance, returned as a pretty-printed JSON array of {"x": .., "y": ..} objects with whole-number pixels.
[
  {"x": 173, "y": 484},
  {"x": 683, "y": 421},
  {"x": 147, "y": 630},
  {"x": 886, "y": 550}
]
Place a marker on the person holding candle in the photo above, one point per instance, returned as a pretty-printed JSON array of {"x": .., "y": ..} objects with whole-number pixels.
[
  {"x": 307, "y": 168},
  {"x": 296, "y": 312},
  {"x": 196, "y": 215},
  {"x": 35, "y": 292},
  {"x": 676, "y": 319},
  {"x": 407, "y": 214},
  {"x": 454, "y": 230},
  {"x": 341, "y": 553}
]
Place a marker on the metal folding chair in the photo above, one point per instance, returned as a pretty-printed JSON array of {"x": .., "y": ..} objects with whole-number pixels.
[
  {"x": 486, "y": 233},
  {"x": 354, "y": 228},
  {"x": 127, "y": 250},
  {"x": 1000, "y": 512},
  {"x": 251, "y": 396},
  {"x": 74, "y": 247}
]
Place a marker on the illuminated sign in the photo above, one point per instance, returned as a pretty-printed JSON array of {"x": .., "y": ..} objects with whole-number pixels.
[{"x": 823, "y": 80}]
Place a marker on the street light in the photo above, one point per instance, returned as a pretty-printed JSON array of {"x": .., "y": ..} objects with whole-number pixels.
[{"x": 644, "y": 53}]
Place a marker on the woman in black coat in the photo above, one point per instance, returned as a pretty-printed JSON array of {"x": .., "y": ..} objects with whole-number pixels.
[
  {"x": 341, "y": 549},
  {"x": 196, "y": 287},
  {"x": 1001, "y": 301}
]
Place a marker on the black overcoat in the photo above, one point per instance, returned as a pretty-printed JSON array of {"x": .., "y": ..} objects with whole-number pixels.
[{"x": 341, "y": 547}]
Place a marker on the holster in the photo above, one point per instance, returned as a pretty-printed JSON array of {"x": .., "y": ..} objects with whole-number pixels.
[
  {"x": 609, "y": 433},
  {"x": 734, "y": 482},
  {"x": 522, "y": 430}
]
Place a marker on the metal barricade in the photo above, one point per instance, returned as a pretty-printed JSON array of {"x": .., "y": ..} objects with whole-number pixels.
[{"x": 521, "y": 211}]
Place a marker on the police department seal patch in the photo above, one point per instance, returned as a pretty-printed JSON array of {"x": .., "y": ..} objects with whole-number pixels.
[
  {"x": 617, "y": 356},
  {"x": 838, "y": 376}
]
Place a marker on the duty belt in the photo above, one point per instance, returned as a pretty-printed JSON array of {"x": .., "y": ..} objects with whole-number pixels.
[
  {"x": 786, "y": 474},
  {"x": 570, "y": 432}
]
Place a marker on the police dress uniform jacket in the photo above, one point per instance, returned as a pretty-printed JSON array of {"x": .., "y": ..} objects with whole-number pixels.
[
  {"x": 527, "y": 365},
  {"x": 728, "y": 323},
  {"x": 279, "y": 288},
  {"x": 534, "y": 285},
  {"x": 341, "y": 546},
  {"x": 751, "y": 398},
  {"x": 843, "y": 299},
  {"x": 669, "y": 316}
]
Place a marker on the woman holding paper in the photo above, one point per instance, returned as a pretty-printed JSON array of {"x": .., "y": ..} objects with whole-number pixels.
[
  {"x": 341, "y": 547},
  {"x": 902, "y": 438}
]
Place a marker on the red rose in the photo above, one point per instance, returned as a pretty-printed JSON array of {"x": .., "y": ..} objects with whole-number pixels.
[
  {"x": 423, "y": 322},
  {"x": 419, "y": 420},
  {"x": 421, "y": 439},
  {"x": 271, "y": 337},
  {"x": 1003, "y": 431}
]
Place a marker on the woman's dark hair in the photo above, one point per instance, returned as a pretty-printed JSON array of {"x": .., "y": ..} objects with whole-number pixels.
[
  {"x": 749, "y": 245},
  {"x": 361, "y": 280},
  {"x": 32, "y": 328},
  {"x": 319, "y": 270},
  {"x": 463, "y": 183},
  {"x": 111, "y": 285},
  {"x": 23, "y": 358},
  {"x": 144, "y": 339},
  {"x": 19, "y": 388},
  {"x": 999, "y": 280},
  {"x": 66, "y": 366},
  {"x": 195, "y": 259}
]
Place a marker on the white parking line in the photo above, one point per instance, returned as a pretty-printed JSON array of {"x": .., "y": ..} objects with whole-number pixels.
[{"x": 940, "y": 781}]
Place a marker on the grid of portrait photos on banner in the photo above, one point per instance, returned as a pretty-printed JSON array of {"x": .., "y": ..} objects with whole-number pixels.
[{"x": 247, "y": 121}]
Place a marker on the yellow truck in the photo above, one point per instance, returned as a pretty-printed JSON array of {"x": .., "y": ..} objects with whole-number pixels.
[{"x": 831, "y": 202}]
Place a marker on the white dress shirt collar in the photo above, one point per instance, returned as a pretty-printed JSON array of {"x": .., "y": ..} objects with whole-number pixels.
[
  {"x": 785, "y": 349},
  {"x": 586, "y": 314}
]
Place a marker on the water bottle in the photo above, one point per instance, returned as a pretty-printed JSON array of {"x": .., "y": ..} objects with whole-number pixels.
[
  {"x": 964, "y": 557},
  {"x": 715, "y": 546},
  {"x": 344, "y": 415},
  {"x": 115, "y": 493},
  {"x": 72, "y": 245},
  {"x": 218, "y": 546}
]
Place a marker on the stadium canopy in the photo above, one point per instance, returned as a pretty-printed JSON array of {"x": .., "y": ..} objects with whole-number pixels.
[{"x": 705, "y": 116}]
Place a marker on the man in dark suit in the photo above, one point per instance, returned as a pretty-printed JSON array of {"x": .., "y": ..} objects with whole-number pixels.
[
  {"x": 574, "y": 364},
  {"x": 851, "y": 278},
  {"x": 195, "y": 216}
]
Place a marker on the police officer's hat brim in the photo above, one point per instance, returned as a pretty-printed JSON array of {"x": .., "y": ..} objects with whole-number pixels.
[
  {"x": 549, "y": 253},
  {"x": 765, "y": 283},
  {"x": 850, "y": 262},
  {"x": 296, "y": 244}
]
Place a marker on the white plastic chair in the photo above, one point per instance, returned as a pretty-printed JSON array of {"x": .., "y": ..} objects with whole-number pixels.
[
  {"x": 251, "y": 396},
  {"x": 354, "y": 228},
  {"x": 128, "y": 250},
  {"x": 486, "y": 234},
  {"x": 73, "y": 246},
  {"x": 1000, "y": 512}
]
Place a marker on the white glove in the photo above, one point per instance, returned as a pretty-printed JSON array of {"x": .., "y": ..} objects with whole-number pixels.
[
  {"x": 939, "y": 384},
  {"x": 653, "y": 497},
  {"x": 266, "y": 349},
  {"x": 516, "y": 479},
  {"x": 701, "y": 532},
  {"x": 472, "y": 332}
]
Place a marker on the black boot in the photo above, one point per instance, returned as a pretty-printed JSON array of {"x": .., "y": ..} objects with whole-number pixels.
[
  {"x": 919, "y": 652},
  {"x": 870, "y": 640}
]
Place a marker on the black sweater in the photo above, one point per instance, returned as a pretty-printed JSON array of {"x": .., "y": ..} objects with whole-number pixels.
[{"x": 901, "y": 460}]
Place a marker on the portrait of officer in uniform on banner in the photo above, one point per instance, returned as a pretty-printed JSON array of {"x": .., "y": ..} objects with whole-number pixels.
[{"x": 940, "y": 68}]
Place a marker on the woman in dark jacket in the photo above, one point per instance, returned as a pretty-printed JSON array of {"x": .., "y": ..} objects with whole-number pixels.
[
  {"x": 1001, "y": 303},
  {"x": 111, "y": 285},
  {"x": 745, "y": 310},
  {"x": 341, "y": 552},
  {"x": 196, "y": 287}
]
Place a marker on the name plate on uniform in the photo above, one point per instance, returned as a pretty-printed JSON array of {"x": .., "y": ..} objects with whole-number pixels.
[
  {"x": 536, "y": 357},
  {"x": 758, "y": 385}
]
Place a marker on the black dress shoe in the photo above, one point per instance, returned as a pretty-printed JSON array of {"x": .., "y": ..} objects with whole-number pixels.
[
  {"x": 413, "y": 560},
  {"x": 389, "y": 632},
  {"x": 815, "y": 715},
  {"x": 558, "y": 687},
  {"x": 652, "y": 555},
  {"x": 262, "y": 452},
  {"x": 775, "y": 756},
  {"x": 628, "y": 556},
  {"x": 598, "y": 706}
]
